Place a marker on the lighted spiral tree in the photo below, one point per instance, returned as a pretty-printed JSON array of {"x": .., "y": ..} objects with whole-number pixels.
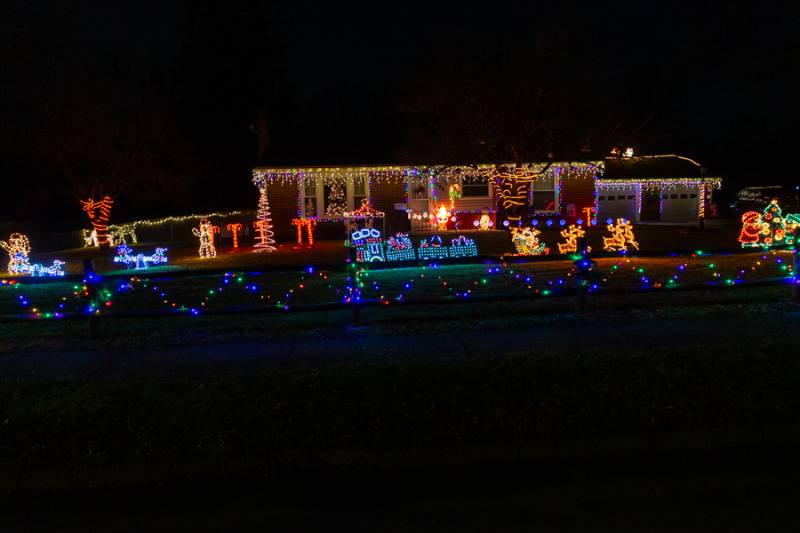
[
  {"x": 99, "y": 214},
  {"x": 263, "y": 224}
]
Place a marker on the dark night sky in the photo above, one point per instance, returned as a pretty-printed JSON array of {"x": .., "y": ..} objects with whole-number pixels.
[{"x": 345, "y": 84}]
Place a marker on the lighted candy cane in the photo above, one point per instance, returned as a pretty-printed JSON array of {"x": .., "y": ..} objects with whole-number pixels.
[
  {"x": 588, "y": 212},
  {"x": 235, "y": 228},
  {"x": 307, "y": 223}
]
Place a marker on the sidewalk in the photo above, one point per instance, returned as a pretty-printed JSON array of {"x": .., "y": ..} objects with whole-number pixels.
[{"x": 362, "y": 347}]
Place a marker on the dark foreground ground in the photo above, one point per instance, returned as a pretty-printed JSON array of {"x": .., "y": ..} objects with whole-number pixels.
[
  {"x": 639, "y": 419},
  {"x": 718, "y": 490}
]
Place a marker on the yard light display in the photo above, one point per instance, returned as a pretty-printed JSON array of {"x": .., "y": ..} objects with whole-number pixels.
[
  {"x": 140, "y": 261},
  {"x": 235, "y": 228},
  {"x": 484, "y": 223},
  {"x": 304, "y": 223},
  {"x": 120, "y": 233},
  {"x": 572, "y": 233},
  {"x": 621, "y": 236},
  {"x": 99, "y": 213},
  {"x": 587, "y": 212},
  {"x": 432, "y": 248},
  {"x": 463, "y": 247},
  {"x": 442, "y": 217},
  {"x": 400, "y": 248},
  {"x": 56, "y": 269},
  {"x": 768, "y": 228},
  {"x": 750, "y": 236},
  {"x": 526, "y": 241},
  {"x": 263, "y": 224},
  {"x": 205, "y": 232},
  {"x": 18, "y": 247},
  {"x": 368, "y": 243}
]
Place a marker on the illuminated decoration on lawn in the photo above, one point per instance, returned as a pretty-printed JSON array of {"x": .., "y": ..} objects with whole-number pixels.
[
  {"x": 121, "y": 233},
  {"x": 56, "y": 269},
  {"x": 126, "y": 256},
  {"x": 365, "y": 214},
  {"x": 18, "y": 247},
  {"x": 432, "y": 248},
  {"x": 99, "y": 214},
  {"x": 89, "y": 238},
  {"x": 750, "y": 236},
  {"x": 336, "y": 200},
  {"x": 235, "y": 228},
  {"x": 442, "y": 217},
  {"x": 263, "y": 224},
  {"x": 308, "y": 224},
  {"x": 526, "y": 241},
  {"x": 621, "y": 236},
  {"x": 588, "y": 212},
  {"x": 463, "y": 247},
  {"x": 400, "y": 248},
  {"x": 206, "y": 234},
  {"x": 768, "y": 228},
  {"x": 484, "y": 223},
  {"x": 572, "y": 233},
  {"x": 368, "y": 243}
]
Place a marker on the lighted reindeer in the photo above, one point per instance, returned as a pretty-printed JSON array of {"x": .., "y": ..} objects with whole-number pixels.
[{"x": 99, "y": 213}]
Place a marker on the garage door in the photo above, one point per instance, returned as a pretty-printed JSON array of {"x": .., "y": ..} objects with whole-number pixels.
[
  {"x": 679, "y": 204},
  {"x": 617, "y": 203}
]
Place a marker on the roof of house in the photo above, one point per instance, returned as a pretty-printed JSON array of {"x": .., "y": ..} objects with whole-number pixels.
[{"x": 651, "y": 166}]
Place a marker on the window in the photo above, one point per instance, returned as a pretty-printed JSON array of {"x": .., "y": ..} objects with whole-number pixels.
[
  {"x": 359, "y": 191},
  {"x": 601, "y": 198},
  {"x": 664, "y": 196},
  {"x": 630, "y": 197},
  {"x": 610, "y": 198},
  {"x": 684, "y": 196},
  {"x": 673, "y": 196},
  {"x": 310, "y": 198},
  {"x": 693, "y": 195},
  {"x": 475, "y": 187},
  {"x": 544, "y": 196},
  {"x": 418, "y": 190}
]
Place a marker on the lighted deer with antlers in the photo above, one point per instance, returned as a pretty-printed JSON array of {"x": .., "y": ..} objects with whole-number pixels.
[{"x": 99, "y": 214}]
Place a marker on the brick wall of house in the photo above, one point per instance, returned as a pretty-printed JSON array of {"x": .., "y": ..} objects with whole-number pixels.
[
  {"x": 577, "y": 189},
  {"x": 283, "y": 205},
  {"x": 385, "y": 193}
]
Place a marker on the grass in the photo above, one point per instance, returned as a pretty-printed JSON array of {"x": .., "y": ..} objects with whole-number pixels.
[{"x": 357, "y": 413}]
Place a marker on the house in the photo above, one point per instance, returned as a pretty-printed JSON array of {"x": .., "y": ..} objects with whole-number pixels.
[{"x": 665, "y": 188}]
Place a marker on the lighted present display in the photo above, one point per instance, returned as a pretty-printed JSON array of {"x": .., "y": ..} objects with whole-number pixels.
[{"x": 400, "y": 248}]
